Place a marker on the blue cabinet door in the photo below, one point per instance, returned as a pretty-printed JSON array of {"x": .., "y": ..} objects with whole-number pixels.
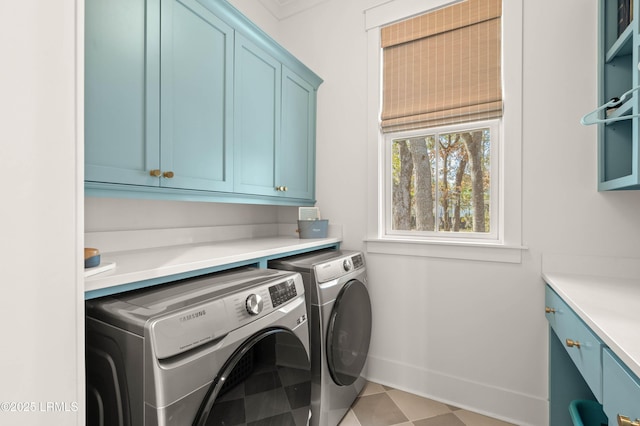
[
  {"x": 197, "y": 98},
  {"x": 121, "y": 91},
  {"x": 256, "y": 118},
  {"x": 274, "y": 126},
  {"x": 621, "y": 389},
  {"x": 295, "y": 161}
]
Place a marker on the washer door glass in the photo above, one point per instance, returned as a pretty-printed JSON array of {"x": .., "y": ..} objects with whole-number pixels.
[
  {"x": 349, "y": 333},
  {"x": 267, "y": 381}
]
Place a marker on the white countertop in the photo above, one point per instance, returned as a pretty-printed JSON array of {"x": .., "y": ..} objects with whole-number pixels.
[
  {"x": 609, "y": 306},
  {"x": 144, "y": 264}
]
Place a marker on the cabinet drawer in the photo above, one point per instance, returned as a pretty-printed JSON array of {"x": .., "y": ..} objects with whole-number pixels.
[
  {"x": 620, "y": 389},
  {"x": 583, "y": 347}
]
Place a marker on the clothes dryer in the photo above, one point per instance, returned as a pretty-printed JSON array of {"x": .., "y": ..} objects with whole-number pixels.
[
  {"x": 226, "y": 349},
  {"x": 340, "y": 327}
]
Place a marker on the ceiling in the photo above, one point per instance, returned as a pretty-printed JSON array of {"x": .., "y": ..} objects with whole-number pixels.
[{"x": 283, "y": 9}]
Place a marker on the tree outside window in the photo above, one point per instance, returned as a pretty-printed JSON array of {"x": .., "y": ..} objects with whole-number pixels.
[{"x": 441, "y": 181}]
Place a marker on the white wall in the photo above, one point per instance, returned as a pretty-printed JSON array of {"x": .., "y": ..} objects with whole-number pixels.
[
  {"x": 471, "y": 333},
  {"x": 41, "y": 311},
  {"x": 111, "y": 214}
]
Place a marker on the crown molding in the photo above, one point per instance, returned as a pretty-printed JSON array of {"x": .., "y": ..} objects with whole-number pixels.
[{"x": 283, "y": 9}]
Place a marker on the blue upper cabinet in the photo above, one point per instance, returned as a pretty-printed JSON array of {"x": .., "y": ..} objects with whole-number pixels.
[
  {"x": 189, "y": 100},
  {"x": 618, "y": 156},
  {"x": 274, "y": 126},
  {"x": 257, "y": 118},
  {"x": 296, "y": 151},
  {"x": 275, "y": 112},
  {"x": 196, "y": 98},
  {"x": 121, "y": 91}
]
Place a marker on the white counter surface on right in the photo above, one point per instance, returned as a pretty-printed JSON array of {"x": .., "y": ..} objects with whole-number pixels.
[{"x": 608, "y": 304}]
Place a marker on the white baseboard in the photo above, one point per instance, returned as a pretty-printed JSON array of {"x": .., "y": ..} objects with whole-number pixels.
[{"x": 502, "y": 404}]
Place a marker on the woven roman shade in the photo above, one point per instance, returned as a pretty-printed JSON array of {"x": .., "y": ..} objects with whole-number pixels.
[{"x": 443, "y": 67}]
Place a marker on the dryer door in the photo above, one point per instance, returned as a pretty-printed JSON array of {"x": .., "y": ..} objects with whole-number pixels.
[
  {"x": 349, "y": 333},
  {"x": 267, "y": 381}
]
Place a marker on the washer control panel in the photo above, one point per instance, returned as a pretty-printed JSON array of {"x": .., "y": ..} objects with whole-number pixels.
[
  {"x": 282, "y": 292},
  {"x": 205, "y": 309}
]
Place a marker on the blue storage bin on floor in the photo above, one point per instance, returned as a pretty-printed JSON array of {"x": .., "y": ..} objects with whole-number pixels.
[{"x": 587, "y": 413}]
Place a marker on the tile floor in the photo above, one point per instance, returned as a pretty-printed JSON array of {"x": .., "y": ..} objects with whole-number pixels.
[{"x": 379, "y": 405}]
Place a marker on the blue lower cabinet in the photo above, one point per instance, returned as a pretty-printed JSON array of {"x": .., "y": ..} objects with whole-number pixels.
[
  {"x": 621, "y": 390},
  {"x": 588, "y": 384},
  {"x": 581, "y": 344},
  {"x": 566, "y": 384}
]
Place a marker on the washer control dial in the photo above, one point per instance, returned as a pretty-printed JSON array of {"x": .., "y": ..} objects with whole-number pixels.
[
  {"x": 254, "y": 304},
  {"x": 347, "y": 265}
]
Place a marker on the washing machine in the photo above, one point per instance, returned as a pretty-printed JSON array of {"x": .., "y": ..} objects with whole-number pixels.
[
  {"x": 339, "y": 327},
  {"x": 225, "y": 349}
]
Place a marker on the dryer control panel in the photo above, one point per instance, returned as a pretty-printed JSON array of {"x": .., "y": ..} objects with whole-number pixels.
[
  {"x": 337, "y": 268},
  {"x": 358, "y": 261}
]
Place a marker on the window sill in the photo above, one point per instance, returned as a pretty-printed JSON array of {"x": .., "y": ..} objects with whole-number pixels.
[{"x": 486, "y": 252}]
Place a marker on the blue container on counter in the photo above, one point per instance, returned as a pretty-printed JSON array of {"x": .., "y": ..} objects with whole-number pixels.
[{"x": 313, "y": 228}]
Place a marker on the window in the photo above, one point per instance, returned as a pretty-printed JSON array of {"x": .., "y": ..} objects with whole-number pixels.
[
  {"x": 443, "y": 181},
  {"x": 502, "y": 242},
  {"x": 441, "y": 69}
]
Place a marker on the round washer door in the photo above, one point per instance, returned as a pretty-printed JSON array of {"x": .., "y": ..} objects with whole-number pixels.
[
  {"x": 349, "y": 333},
  {"x": 267, "y": 381}
]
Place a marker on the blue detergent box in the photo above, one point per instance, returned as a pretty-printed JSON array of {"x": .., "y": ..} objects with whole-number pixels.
[{"x": 313, "y": 228}]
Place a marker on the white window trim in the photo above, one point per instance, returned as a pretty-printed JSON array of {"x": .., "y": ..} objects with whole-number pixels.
[{"x": 509, "y": 247}]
